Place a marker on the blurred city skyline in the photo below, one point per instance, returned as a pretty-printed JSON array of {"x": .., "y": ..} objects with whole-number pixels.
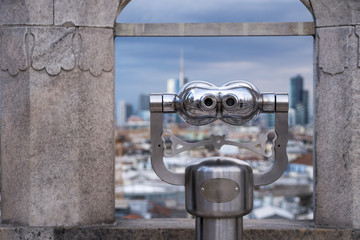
[{"x": 143, "y": 65}]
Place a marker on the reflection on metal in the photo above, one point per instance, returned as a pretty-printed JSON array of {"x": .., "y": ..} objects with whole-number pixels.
[
  {"x": 219, "y": 190},
  {"x": 214, "y": 29}
]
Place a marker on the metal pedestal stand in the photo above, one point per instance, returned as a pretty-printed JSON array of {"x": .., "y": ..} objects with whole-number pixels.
[{"x": 219, "y": 190}]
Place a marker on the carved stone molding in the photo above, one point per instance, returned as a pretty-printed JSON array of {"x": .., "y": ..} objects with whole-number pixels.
[
  {"x": 53, "y": 49},
  {"x": 97, "y": 50},
  {"x": 14, "y": 50},
  {"x": 333, "y": 49}
]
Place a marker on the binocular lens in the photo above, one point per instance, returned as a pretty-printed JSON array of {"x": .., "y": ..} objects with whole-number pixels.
[
  {"x": 230, "y": 102},
  {"x": 208, "y": 102}
]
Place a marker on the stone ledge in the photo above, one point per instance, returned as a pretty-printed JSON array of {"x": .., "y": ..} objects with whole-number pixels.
[{"x": 178, "y": 229}]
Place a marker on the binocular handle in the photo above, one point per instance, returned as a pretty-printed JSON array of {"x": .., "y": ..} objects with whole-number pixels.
[
  {"x": 281, "y": 158},
  {"x": 157, "y": 152},
  {"x": 167, "y": 103}
]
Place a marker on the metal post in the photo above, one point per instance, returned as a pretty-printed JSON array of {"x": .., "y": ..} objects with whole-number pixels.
[{"x": 219, "y": 228}]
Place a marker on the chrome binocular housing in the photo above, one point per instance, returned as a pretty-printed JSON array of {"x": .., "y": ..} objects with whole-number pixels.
[{"x": 236, "y": 103}]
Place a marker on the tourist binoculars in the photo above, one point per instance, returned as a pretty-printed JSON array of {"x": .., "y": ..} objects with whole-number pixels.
[{"x": 219, "y": 190}]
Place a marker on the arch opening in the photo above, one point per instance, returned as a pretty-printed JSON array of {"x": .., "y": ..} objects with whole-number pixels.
[
  {"x": 160, "y": 11},
  {"x": 145, "y": 65}
]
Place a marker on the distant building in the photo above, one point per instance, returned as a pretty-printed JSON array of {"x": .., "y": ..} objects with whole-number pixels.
[
  {"x": 296, "y": 87},
  {"x": 300, "y": 114},
  {"x": 292, "y": 117},
  {"x": 124, "y": 111},
  {"x": 144, "y": 107},
  {"x": 306, "y": 100},
  {"x": 182, "y": 79},
  {"x": 299, "y": 100},
  {"x": 172, "y": 85},
  {"x": 144, "y": 102}
]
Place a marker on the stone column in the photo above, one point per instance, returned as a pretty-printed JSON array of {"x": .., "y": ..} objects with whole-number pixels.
[
  {"x": 337, "y": 112},
  {"x": 57, "y": 96}
]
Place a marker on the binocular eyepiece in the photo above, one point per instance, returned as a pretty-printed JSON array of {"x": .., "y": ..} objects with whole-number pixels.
[
  {"x": 208, "y": 102},
  {"x": 200, "y": 103},
  {"x": 229, "y": 102},
  {"x": 236, "y": 103}
]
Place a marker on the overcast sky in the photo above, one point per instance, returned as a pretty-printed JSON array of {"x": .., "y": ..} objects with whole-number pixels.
[{"x": 143, "y": 65}]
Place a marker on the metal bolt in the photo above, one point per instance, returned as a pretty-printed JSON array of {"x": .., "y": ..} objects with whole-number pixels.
[
  {"x": 236, "y": 189},
  {"x": 202, "y": 189}
]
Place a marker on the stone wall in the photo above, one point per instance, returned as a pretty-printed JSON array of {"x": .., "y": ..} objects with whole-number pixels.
[
  {"x": 57, "y": 76},
  {"x": 337, "y": 128}
]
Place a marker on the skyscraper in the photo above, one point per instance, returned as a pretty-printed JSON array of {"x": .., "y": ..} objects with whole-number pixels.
[
  {"x": 306, "y": 106},
  {"x": 124, "y": 111},
  {"x": 121, "y": 113},
  {"x": 181, "y": 69},
  {"x": 296, "y": 88},
  {"x": 182, "y": 79},
  {"x": 144, "y": 106},
  {"x": 299, "y": 100},
  {"x": 144, "y": 102},
  {"x": 172, "y": 85}
]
